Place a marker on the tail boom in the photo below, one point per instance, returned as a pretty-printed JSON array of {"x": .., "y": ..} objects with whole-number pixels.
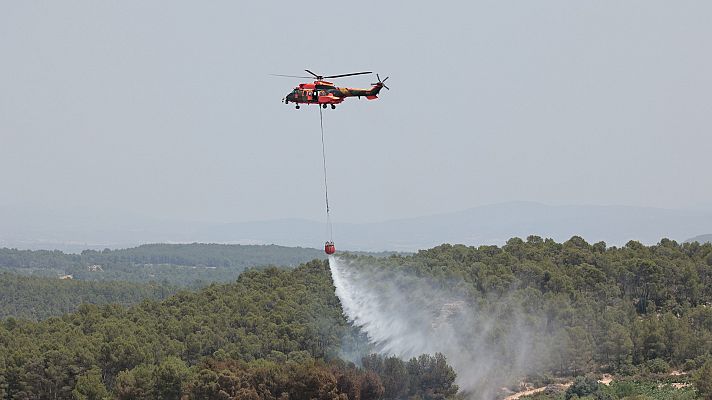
[{"x": 370, "y": 94}]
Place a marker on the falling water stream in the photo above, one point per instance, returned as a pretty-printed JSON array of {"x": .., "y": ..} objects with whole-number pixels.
[{"x": 406, "y": 315}]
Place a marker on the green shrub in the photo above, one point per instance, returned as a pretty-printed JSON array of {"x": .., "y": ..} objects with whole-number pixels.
[
  {"x": 583, "y": 386},
  {"x": 703, "y": 380},
  {"x": 657, "y": 366}
]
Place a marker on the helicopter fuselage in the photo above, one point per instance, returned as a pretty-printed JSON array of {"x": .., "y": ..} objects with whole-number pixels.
[{"x": 322, "y": 92}]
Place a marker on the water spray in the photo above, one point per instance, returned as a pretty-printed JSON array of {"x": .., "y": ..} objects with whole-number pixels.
[{"x": 487, "y": 343}]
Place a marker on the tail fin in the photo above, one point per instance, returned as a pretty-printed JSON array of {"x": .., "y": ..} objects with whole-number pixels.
[{"x": 373, "y": 93}]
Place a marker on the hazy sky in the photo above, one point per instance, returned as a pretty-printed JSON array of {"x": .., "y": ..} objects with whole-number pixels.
[{"x": 166, "y": 109}]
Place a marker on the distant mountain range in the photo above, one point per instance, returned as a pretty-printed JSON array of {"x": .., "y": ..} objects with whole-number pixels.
[
  {"x": 492, "y": 224},
  {"x": 701, "y": 238}
]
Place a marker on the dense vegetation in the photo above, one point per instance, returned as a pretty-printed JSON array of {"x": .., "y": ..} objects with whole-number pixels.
[
  {"x": 190, "y": 265},
  {"x": 30, "y": 288},
  {"x": 606, "y": 308},
  {"x": 35, "y": 298},
  {"x": 632, "y": 311},
  {"x": 274, "y": 333}
]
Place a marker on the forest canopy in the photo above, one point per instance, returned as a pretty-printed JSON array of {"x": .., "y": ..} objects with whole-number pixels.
[
  {"x": 624, "y": 310},
  {"x": 189, "y": 265}
]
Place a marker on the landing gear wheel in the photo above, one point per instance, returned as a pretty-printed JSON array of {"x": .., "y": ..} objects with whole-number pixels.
[
  {"x": 333, "y": 106},
  {"x": 323, "y": 106},
  {"x": 297, "y": 106}
]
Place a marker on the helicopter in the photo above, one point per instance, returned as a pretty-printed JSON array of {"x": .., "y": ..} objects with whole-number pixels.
[{"x": 325, "y": 93}]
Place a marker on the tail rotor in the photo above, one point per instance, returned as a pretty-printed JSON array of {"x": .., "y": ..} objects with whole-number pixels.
[{"x": 381, "y": 82}]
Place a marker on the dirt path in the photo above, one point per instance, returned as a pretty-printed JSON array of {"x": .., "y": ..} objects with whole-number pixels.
[
  {"x": 516, "y": 396},
  {"x": 606, "y": 380},
  {"x": 528, "y": 392}
]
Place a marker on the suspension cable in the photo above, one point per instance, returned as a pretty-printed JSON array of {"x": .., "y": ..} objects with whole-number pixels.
[{"x": 329, "y": 228}]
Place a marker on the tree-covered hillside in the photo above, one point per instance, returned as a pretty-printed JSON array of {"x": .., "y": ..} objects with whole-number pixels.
[
  {"x": 278, "y": 333},
  {"x": 36, "y": 298},
  {"x": 209, "y": 255},
  {"x": 274, "y": 333},
  {"x": 599, "y": 307},
  {"x": 177, "y": 264}
]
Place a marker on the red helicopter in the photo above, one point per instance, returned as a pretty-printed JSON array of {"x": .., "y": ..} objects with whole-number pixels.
[{"x": 326, "y": 93}]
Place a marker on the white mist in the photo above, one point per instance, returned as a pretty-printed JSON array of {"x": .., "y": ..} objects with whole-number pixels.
[{"x": 405, "y": 315}]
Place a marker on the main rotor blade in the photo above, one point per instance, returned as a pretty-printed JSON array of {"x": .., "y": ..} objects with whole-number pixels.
[
  {"x": 292, "y": 76},
  {"x": 385, "y": 79},
  {"x": 352, "y": 74},
  {"x": 315, "y": 75}
]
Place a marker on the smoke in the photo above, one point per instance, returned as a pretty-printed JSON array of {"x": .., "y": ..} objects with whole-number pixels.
[{"x": 488, "y": 341}]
